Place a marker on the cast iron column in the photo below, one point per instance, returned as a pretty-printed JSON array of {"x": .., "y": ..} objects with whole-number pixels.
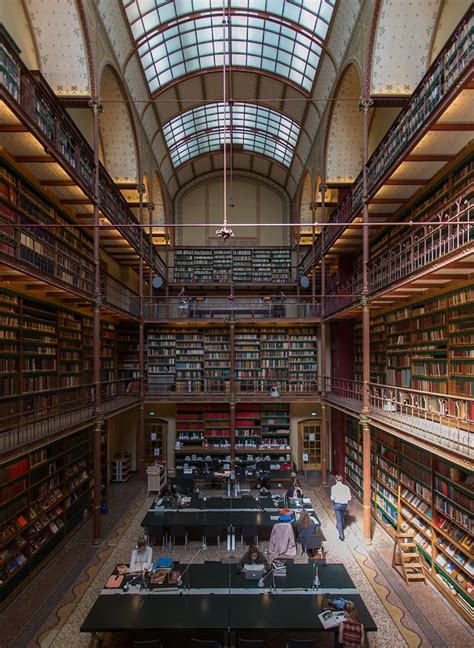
[
  {"x": 141, "y": 347},
  {"x": 324, "y": 421},
  {"x": 365, "y": 104}
]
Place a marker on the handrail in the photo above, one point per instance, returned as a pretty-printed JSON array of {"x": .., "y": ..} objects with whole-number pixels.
[
  {"x": 423, "y": 245},
  {"x": 224, "y": 309},
  {"x": 444, "y": 75},
  {"x": 31, "y": 92},
  {"x": 59, "y": 409},
  {"x": 434, "y": 417}
]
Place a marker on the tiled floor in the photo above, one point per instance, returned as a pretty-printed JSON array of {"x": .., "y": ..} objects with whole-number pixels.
[{"x": 55, "y": 605}]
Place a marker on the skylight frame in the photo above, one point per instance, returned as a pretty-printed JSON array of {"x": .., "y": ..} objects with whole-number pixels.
[
  {"x": 280, "y": 37},
  {"x": 252, "y": 127}
]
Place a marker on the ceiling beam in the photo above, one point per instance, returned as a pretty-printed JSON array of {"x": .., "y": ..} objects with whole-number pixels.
[
  {"x": 13, "y": 128},
  {"x": 400, "y": 182},
  {"x": 58, "y": 183},
  {"x": 34, "y": 159},
  {"x": 452, "y": 126},
  {"x": 428, "y": 158}
]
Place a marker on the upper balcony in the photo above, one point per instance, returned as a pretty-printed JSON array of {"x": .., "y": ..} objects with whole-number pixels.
[
  {"x": 434, "y": 420},
  {"x": 428, "y": 251},
  {"x": 230, "y": 309},
  {"x": 432, "y": 128},
  {"x": 56, "y": 411},
  {"x": 39, "y": 133}
]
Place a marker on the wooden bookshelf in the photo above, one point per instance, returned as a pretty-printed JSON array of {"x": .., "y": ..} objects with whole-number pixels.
[
  {"x": 190, "y": 424},
  {"x": 45, "y": 494},
  {"x": 378, "y": 350},
  {"x": 302, "y": 359},
  {"x": 358, "y": 351},
  {"x": 217, "y": 426},
  {"x": 414, "y": 491},
  {"x": 237, "y": 265},
  {"x": 189, "y": 360},
  {"x": 108, "y": 356},
  {"x": 216, "y": 359},
  {"x": 128, "y": 367},
  {"x": 121, "y": 467},
  {"x": 160, "y": 359},
  {"x": 247, "y": 359},
  {"x": 461, "y": 344}
]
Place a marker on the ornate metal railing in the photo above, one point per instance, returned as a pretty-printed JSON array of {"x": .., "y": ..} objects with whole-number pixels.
[
  {"x": 439, "y": 419},
  {"x": 29, "y": 93},
  {"x": 56, "y": 410},
  {"x": 445, "y": 74},
  {"x": 227, "y": 309},
  {"x": 344, "y": 294}
]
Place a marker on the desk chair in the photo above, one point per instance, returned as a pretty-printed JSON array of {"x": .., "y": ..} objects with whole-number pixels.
[
  {"x": 301, "y": 643},
  {"x": 313, "y": 543},
  {"x": 160, "y": 536},
  {"x": 178, "y": 532},
  {"x": 149, "y": 643},
  {"x": 205, "y": 643},
  {"x": 249, "y": 532},
  {"x": 211, "y": 533}
]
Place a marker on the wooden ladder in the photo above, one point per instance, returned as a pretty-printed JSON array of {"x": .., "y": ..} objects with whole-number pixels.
[{"x": 406, "y": 555}]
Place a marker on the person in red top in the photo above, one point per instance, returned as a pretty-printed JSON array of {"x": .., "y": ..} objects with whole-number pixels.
[{"x": 351, "y": 631}]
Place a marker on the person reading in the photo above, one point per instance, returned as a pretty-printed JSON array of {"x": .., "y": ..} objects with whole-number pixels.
[
  {"x": 351, "y": 630},
  {"x": 306, "y": 528},
  {"x": 253, "y": 557},
  {"x": 294, "y": 490},
  {"x": 142, "y": 558}
]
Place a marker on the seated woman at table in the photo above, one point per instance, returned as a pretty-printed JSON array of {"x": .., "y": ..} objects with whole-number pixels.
[
  {"x": 351, "y": 630},
  {"x": 253, "y": 557},
  {"x": 306, "y": 528},
  {"x": 142, "y": 557},
  {"x": 295, "y": 490}
]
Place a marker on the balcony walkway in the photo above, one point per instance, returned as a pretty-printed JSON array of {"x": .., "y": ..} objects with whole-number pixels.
[
  {"x": 431, "y": 430},
  {"x": 15, "y": 438}
]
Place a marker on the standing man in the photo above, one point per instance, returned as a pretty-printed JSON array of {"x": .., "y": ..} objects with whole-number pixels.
[{"x": 340, "y": 496}]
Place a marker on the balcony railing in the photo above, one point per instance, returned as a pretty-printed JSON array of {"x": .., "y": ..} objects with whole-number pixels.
[
  {"x": 244, "y": 389},
  {"x": 227, "y": 309},
  {"x": 29, "y": 92},
  {"x": 116, "y": 294},
  {"x": 422, "y": 246},
  {"x": 444, "y": 75},
  {"x": 447, "y": 421},
  {"x": 58, "y": 410}
]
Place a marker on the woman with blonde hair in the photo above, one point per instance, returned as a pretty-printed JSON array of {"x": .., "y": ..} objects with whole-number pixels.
[{"x": 351, "y": 630}]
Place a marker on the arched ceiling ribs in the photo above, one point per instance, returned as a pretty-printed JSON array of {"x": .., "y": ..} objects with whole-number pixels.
[{"x": 170, "y": 49}]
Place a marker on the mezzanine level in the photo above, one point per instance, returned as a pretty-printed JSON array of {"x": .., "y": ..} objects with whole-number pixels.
[
  {"x": 434, "y": 420},
  {"x": 29, "y": 419}
]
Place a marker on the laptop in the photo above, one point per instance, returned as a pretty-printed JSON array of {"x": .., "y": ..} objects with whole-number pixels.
[{"x": 254, "y": 572}]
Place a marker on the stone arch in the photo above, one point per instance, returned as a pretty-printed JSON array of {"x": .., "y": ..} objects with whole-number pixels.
[
  {"x": 343, "y": 154},
  {"x": 304, "y": 211},
  {"x": 399, "y": 62},
  {"x": 117, "y": 129}
]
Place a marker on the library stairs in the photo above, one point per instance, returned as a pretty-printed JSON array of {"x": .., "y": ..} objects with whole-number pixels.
[{"x": 405, "y": 554}]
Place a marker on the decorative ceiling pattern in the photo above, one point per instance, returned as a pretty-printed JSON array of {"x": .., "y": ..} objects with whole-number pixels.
[
  {"x": 399, "y": 63},
  {"x": 117, "y": 131},
  {"x": 64, "y": 61},
  {"x": 344, "y": 150}
]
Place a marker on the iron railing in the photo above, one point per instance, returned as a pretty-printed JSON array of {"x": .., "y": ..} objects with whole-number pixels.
[
  {"x": 447, "y": 421},
  {"x": 29, "y": 92},
  {"x": 229, "y": 309},
  {"x": 414, "y": 252},
  {"x": 27, "y": 418}
]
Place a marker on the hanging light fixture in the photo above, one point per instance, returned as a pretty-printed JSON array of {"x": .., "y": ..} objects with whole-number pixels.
[{"x": 224, "y": 232}]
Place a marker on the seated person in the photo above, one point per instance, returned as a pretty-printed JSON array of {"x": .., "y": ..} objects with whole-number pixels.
[
  {"x": 253, "y": 556},
  {"x": 295, "y": 490},
  {"x": 142, "y": 558},
  {"x": 306, "y": 528}
]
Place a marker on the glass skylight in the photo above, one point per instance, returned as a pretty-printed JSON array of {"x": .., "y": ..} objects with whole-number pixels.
[
  {"x": 254, "y": 128},
  {"x": 282, "y": 37}
]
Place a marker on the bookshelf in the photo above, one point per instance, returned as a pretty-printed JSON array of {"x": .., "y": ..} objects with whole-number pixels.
[
  {"x": 190, "y": 425},
  {"x": 216, "y": 360},
  {"x": 461, "y": 344},
  {"x": 160, "y": 359},
  {"x": 45, "y": 494},
  {"x": 70, "y": 342},
  {"x": 378, "y": 350},
  {"x": 237, "y": 265},
  {"x": 247, "y": 359},
  {"x": 9, "y": 343},
  {"x": 247, "y": 426},
  {"x": 415, "y": 491},
  {"x": 128, "y": 352},
  {"x": 358, "y": 351},
  {"x": 273, "y": 357},
  {"x": 108, "y": 357},
  {"x": 217, "y": 426},
  {"x": 155, "y": 440},
  {"x": 189, "y": 359},
  {"x": 302, "y": 359}
]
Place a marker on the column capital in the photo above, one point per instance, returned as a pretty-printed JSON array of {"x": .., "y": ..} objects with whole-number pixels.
[
  {"x": 141, "y": 188},
  {"x": 323, "y": 187},
  {"x": 364, "y": 301},
  {"x": 96, "y": 105},
  {"x": 365, "y": 104},
  {"x": 364, "y": 419}
]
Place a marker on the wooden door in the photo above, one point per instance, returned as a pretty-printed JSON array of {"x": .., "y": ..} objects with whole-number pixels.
[
  {"x": 155, "y": 440},
  {"x": 310, "y": 444}
]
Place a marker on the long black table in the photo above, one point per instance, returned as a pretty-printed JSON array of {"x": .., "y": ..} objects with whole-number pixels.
[{"x": 217, "y": 600}]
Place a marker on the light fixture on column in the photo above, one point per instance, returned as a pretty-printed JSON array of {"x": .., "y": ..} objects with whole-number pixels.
[{"x": 224, "y": 232}]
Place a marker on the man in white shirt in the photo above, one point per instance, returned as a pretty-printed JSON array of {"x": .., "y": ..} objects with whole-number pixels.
[{"x": 340, "y": 496}]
